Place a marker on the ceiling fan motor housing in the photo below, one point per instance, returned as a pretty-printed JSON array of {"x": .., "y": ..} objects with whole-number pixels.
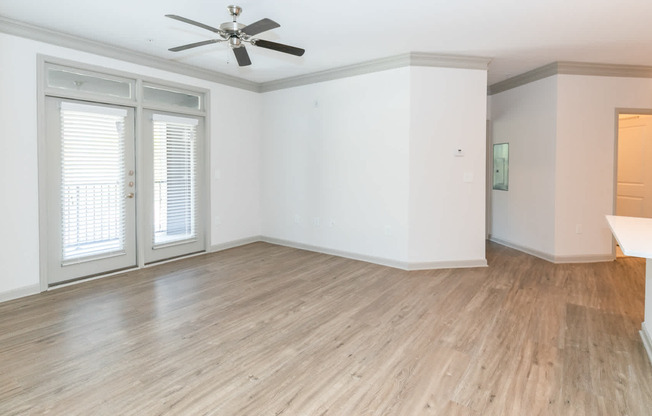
[{"x": 232, "y": 27}]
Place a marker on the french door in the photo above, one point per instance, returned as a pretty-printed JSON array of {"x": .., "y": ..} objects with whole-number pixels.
[
  {"x": 172, "y": 155},
  {"x": 98, "y": 215},
  {"x": 91, "y": 189}
]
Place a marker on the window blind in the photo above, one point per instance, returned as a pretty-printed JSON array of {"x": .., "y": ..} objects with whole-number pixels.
[
  {"x": 175, "y": 181},
  {"x": 92, "y": 181}
]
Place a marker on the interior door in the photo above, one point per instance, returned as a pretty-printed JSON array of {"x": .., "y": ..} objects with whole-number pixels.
[
  {"x": 91, "y": 189},
  {"x": 634, "y": 188},
  {"x": 172, "y": 183}
]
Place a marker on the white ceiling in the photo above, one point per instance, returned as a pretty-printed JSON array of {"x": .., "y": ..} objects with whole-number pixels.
[{"x": 519, "y": 35}]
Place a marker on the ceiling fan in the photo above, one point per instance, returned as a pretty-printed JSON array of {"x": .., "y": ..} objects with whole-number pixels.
[{"x": 237, "y": 35}]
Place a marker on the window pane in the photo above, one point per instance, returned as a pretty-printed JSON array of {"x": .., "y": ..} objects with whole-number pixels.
[
  {"x": 501, "y": 166},
  {"x": 158, "y": 95},
  {"x": 87, "y": 82},
  {"x": 175, "y": 194},
  {"x": 92, "y": 181}
]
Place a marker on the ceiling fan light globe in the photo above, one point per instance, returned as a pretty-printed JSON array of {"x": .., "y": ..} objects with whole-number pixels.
[{"x": 235, "y": 42}]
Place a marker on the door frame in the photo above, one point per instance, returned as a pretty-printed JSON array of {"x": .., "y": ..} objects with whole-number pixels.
[
  {"x": 618, "y": 111},
  {"x": 489, "y": 176},
  {"x": 137, "y": 104}
]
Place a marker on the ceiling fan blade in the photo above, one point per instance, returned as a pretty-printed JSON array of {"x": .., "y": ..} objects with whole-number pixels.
[
  {"x": 242, "y": 56},
  {"x": 260, "y": 26},
  {"x": 278, "y": 47},
  {"x": 194, "y": 45},
  {"x": 192, "y": 22}
]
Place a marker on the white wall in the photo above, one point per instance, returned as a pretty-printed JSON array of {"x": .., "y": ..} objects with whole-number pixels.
[
  {"x": 448, "y": 109},
  {"x": 365, "y": 166},
  {"x": 335, "y": 164},
  {"x": 525, "y": 117},
  {"x": 325, "y": 165},
  {"x": 562, "y": 132},
  {"x": 586, "y": 130},
  {"x": 235, "y": 159},
  {"x": 234, "y": 139},
  {"x": 19, "y": 244}
]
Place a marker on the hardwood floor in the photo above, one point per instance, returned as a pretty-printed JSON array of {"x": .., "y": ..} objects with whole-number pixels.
[{"x": 270, "y": 330}]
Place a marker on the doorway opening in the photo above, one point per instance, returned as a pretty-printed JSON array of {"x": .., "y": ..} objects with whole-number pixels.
[{"x": 633, "y": 179}]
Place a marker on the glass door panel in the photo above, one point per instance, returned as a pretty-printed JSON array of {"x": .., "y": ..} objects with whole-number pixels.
[
  {"x": 90, "y": 183},
  {"x": 172, "y": 178}
]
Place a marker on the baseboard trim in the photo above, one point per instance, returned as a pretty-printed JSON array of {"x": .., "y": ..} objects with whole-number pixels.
[
  {"x": 588, "y": 258},
  {"x": 20, "y": 292},
  {"x": 409, "y": 266},
  {"x": 524, "y": 249},
  {"x": 449, "y": 264},
  {"x": 647, "y": 340},
  {"x": 396, "y": 264},
  {"x": 35, "y": 289},
  {"x": 234, "y": 243},
  {"x": 339, "y": 253}
]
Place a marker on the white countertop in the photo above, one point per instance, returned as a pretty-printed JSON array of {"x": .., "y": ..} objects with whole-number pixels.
[{"x": 634, "y": 235}]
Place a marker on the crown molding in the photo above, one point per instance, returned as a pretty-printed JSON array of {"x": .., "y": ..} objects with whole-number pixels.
[
  {"x": 604, "y": 70},
  {"x": 523, "y": 79},
  {"x": 448, "y": 61},
  {"x": 376, "y": 65},
  {"x": 24, "y": 30},
  {"x": 381, "y": 64},
  {"x": 571, "y": 68},
  {"x": 424, "y": 59}
]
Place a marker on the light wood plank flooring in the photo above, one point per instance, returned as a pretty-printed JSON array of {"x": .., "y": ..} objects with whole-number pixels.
[{"x": 270, "y": 330}]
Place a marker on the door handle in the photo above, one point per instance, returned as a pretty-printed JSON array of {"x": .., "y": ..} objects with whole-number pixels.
[{"x": 130, "y": 195}]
